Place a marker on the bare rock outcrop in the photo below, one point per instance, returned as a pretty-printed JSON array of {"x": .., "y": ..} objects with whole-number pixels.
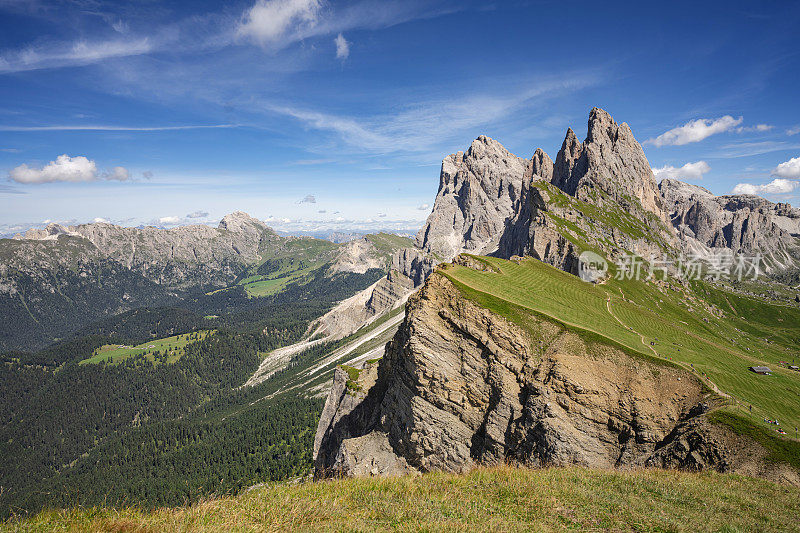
[
  {"x": 477, "y": 193},
  {"x": 744, "y": 224},
  {"x": 459, "y": 385},
  {"x": 610, "y": 161}
]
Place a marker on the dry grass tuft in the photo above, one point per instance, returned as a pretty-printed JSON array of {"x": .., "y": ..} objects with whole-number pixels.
[{"x": 500, "y": 498}]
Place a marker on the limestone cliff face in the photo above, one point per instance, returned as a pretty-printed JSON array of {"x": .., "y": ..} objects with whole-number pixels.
[
  {"x": 459, "y": 385},
  {"x": 609, "y": 160},
  {"x": 408, "y": 271},
  {"x": 477, "y": 193},
  {"x": 742, "y": 223},
  {"x": 494, "y": 203}
]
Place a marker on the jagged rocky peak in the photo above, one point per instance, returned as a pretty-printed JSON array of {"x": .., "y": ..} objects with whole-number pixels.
[
  {"x": 540, "y": 167},
  {"x": 477, "y": 193},
  {"x": 609, "y": 160},
  {"x": 744, "y": 223}
]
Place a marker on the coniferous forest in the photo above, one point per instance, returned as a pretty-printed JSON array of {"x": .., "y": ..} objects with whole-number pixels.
[{"x": 143, "y": 430}]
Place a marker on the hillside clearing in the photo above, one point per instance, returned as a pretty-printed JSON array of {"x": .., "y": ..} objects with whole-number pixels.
[{"x": 173, "y": 346}]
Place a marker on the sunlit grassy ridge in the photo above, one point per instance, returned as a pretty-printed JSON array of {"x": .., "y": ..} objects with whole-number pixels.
[
  {"x": 677, "y": 324},
  {"x": 499, "y": 499}
]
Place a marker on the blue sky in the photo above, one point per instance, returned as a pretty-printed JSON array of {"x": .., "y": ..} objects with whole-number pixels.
[{"x": 337, "y": 114}]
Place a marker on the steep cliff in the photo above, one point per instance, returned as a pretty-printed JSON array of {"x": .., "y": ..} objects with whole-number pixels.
[
  {"x": 477, "y": 194},
  {"x": 611, "y": 161},
  {"x": 599, "y": 194},
  {"x": 460, "y": 385}
]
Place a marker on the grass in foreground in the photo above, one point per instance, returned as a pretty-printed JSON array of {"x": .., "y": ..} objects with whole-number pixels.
[{"x": 501, "y": 499}]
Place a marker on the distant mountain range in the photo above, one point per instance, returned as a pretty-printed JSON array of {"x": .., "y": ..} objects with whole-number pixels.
[{"x": 57, "y": 279}]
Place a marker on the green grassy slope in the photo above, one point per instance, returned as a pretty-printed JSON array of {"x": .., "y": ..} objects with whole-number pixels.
[
  {"x": 499, "y": 499},
  {"x": 116, "y": 353},
  {"x": 713, "y": 333}
]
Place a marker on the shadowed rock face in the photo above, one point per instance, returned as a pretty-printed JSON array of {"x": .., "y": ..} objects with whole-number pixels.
[{"x": 477, "y": 193}]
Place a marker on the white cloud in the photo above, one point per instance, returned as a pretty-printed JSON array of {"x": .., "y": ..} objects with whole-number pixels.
[
  {"x": 420, "y": 125},
  {"x": 64, "y": 168},
  {"x": 147, "y": 174},
  {"x": 310, "y": 199},
  {"x": 788, "y": 169},
  {"x": 342, "y": 47},
  {"x": 197, "y": 214},
  {"x": 793, "y": 130},
  {"x": 117, "y": 174},
  {"x": 689, "y": 171},
  {"x": 424, "y": 207},
  {"x": 65, "y": 55},
  {"x": 270, "y": 21},
  {"x": 757, "y": 127},
  {"x": 169, "y": 220},
  {"x": 776, "y": 186},
  {"x": 695, "y": 131},
  {"x": 100, "y": 220}
]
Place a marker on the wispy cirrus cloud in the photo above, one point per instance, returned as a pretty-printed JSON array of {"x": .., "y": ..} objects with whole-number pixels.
[
  {"x": 103, "y": 127},
  {"x": 78, "y": 53},
  {"x": 747, "y": 149},
  {"x": 278, "y": 23},
  {"x": 273, "y": 24},
  {"x": 418, "y": 126}
]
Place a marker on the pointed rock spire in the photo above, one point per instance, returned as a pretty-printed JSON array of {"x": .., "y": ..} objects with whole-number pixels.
[{"x": 610, "y": 160}]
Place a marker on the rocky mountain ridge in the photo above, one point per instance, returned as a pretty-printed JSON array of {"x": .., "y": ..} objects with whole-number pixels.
[
  {"x": 599, "y": 194},
  {"x": 460, "y": 385},
  {"x": 741, "y": 223}
]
